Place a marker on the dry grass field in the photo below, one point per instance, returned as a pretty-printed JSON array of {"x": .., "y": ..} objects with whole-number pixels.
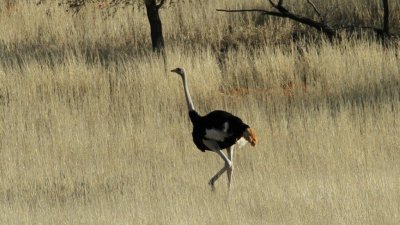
[{"x": 93, "y": 131}]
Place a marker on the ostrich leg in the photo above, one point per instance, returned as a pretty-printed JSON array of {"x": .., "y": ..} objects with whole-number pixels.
[
  {"x": 228, "y": 164},
  {"x": 230, "y": 169}
]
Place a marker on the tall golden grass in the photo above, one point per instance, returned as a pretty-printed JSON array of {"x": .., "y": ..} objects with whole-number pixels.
[{"x": 92, "y": 130}]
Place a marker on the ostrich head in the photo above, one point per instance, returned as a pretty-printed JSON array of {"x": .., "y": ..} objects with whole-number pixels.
[
  {"x": 250, "y": 135},
  {"x": 179, "y": 71}
]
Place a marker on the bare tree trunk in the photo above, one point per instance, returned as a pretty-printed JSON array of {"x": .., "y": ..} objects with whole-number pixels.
[
  {"x": 157, "y": 38},
  {"x": 385, "y": 17}
]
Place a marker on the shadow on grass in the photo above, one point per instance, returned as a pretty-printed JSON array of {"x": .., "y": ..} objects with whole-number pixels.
[{"x": 19, "y": 54}]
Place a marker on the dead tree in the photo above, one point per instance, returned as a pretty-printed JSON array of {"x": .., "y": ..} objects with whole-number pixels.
[
  {"x": 321, "y": 24},
  {"x": 153, "y": 16}
]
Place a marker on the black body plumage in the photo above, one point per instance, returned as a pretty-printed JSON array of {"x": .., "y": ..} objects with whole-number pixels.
[{"x": 231, "y": 126}]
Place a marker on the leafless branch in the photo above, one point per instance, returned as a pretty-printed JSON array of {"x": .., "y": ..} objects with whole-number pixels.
[
  {"x": 320, "y": 25},
  {"x": 276, "y": 5},
  {"x": 283, "y": 12},
  {"x": 272, "y": 3},
  {"x": 160, "y": 4},
  {"x": 315, "y": 9},
  {"x": 279, "y": 6}
]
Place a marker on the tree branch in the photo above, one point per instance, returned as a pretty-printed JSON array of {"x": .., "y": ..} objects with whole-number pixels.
[
  {"x": 315, "y": 9},
  {"x": 276, "y": 5},
  {"x": 320, "y": 26},
  {"x": 160, "y": 5},
  {"x": 279, "y": 6}
]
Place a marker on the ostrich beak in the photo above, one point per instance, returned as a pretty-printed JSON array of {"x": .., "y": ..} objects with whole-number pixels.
[{"x": 174, "y": 70}]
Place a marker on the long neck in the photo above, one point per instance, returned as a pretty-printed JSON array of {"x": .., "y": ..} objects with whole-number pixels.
[{"x": 187, "y": 94}]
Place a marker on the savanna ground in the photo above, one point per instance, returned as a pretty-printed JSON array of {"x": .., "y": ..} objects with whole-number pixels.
[{"x": 93, "y": 131}]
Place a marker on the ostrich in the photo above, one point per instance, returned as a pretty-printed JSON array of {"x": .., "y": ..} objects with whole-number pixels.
[{"x": 216, "y": 131}]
